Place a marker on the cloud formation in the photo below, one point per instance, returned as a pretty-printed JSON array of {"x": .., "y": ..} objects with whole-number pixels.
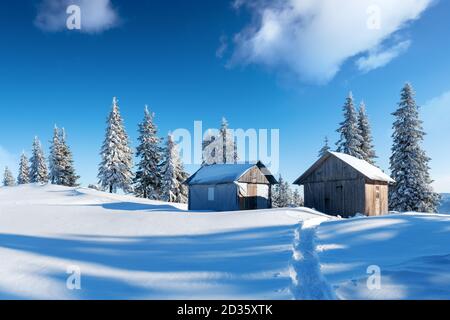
[
  {"x": 313, "y": 38},
  {"x": 96, "y": 15}
]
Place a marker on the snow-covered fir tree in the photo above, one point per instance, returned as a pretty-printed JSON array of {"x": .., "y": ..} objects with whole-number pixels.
[
  {"x": 297, "y": 200},
  {"x": 8, "y": 179},
  {"x": 325, "y": 148},
  {"x": 55, "y": 158},
  {"x": 68, "y": 176},
  {"x": 220, "y": 147},
  {"x": 173, "y": 175},
  {"x": 282, "y": 196},
  {"x": 228, "y": 152},
  {"x": 409, "y": 162},
  {"x": 147, "y": 182},
  {"x": 117, "y": 158},
  {"x": 38, "y": 169},
  {"x": 24, "y": 170},
  {"x": 62, "y": 171},
  {"x": 350, "y": 140},
  {"x": 367, "y": 147}
]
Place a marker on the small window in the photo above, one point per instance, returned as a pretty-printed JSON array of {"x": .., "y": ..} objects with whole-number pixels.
[{"x": 210, "y": 194}]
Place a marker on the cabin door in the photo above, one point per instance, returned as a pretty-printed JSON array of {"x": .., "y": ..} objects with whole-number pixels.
[
  {"x": 252, "y": 196},
  {"x": 377, "y": 201}
]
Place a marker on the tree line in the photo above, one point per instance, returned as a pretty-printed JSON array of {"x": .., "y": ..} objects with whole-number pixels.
[{"x": 409, "y": 164}]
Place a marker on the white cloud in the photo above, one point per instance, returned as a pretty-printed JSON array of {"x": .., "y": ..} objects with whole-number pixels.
[
  {"x": 96, "y": 15},
  {"x": 378, "y": 58},
  {"x": 314, "y": 38}
]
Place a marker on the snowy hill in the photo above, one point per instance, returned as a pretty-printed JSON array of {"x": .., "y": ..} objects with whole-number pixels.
[
  {"x": 130, "y": 248},
  {"x": 140, "y": 249},
  {"x": 445, "y": 203}
]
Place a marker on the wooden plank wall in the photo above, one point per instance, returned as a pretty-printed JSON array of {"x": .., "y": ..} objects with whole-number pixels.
[
  {"x": 254, "y": 175},
  {"x": 372, "y": 207}
]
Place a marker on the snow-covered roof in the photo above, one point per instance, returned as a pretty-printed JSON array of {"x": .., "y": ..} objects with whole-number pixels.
[
  {"x": 368, "y": 170},
  {"x": 225, "y": 173}
]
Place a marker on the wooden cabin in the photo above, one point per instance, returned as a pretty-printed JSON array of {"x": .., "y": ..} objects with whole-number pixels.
[
  {"x": 339, "y": 184},
  {"x": 229, "y": 187}
]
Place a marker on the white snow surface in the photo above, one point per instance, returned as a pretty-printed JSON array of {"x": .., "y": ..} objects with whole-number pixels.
[
  {"x": 129, "y": 248},
  {"x": 412, "y": 252},
  {"x": 220, "y": 173},
  {"x": 370, "y": 171}
]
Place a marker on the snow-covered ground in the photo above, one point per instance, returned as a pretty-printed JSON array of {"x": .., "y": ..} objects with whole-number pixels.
[
  {"x": 139, "y": 249},
  {"x": 130, "y": 248},
  {"x": 411, "y": 252}
]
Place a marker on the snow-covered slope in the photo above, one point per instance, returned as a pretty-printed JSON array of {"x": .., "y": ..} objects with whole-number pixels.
[
  {"x": 130, "y": 248},
  {"x": 412, "y": 252}
]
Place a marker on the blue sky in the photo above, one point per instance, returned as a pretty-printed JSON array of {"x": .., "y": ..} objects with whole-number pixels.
[{"x": 201, "y": 60}]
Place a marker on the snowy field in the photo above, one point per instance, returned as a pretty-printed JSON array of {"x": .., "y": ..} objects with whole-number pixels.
[
  {"x": 139, "y": 249},
  {"x": 130, "y": 248},
  {"x": 412, "y": 251}
]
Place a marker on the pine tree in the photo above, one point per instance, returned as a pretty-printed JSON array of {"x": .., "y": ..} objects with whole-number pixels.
[
  {"x": 148, "y": 175},
  {"x": 408, "y": 162},
  {"x": 282, "y": 196},
  {"x": 24, "y": 170},
  {"x": 68, "y": 176},
  {"x": 8, "y": 179},
  {"x": 325, "y": 149},
  {"x": 367, "y": 147},
  {"x": 220, "y": 147},
  {"x": 38, "y": 170},
  {"x": 173, "y": 175},
  {"x": 297, "y": 200},
  {"x": 228, "y": 152},
  {"x": 350, "y": 141},
  {"x": 116, "y": 165},
  {"x": 55, "y": 158}
]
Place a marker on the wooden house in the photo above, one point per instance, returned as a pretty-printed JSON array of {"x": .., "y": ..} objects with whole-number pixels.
[
  {"x": 228, "y": 187},
  {"x": 339, "y": 184}
]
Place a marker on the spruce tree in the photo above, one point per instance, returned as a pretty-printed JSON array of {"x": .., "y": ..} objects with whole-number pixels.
[
  {"x": 38, "y": 170},
  {"x": 8, "y": 179},
  {"x": 148, "y": 176},
  {"x": 282, "y": 196},
  {"x": 116, "y": 165},
  {"x": 409, "y": 162},
  {"x": 297, "y": 200},
  {"x": 173, "y": 175},
  {"x": 55, "y": 158},
  {"x": 350, "y": 140},
  {"x": 367, "y": 147},
  {"x": 68, "y": 176},
  {"x": 325, "y": 149},
  {"x": 24, "y": 170},
  {"x": 228, "y": 152}
]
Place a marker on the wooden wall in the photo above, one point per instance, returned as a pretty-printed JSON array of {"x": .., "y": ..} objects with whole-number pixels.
[
  {"x": 254, "y": 176},
  {"x": 336, "y": 188},
  {"x": 376, "y": 199}
]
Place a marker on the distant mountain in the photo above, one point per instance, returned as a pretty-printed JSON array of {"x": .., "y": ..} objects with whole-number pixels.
[{"x": 445, "y": 203}]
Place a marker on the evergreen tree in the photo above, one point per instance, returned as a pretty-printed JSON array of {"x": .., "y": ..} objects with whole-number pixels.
[
  {"x": 148, "y": 175},
  {"x": 325, "y": 149},
  {"x": 220, "y": 147},
  {"x": 115, "y": 168},
  {"x": 350, "y": 141},
  {"x": 408, "y": 162},
  {"x": 173, "y": 175},
  {"x": 68, "y": 176},
  {"x": 367, "y": 147},
  {"x": 8, "y": 179},
  {"x": 24, "y": 170},
  {"x": 282, "y": 196},
  {"x": 55, "y": 158},
  {"x": 38, "y": 170},
  {"x": 229, "y": 148},
  {"x": 297, "y": 200}
]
